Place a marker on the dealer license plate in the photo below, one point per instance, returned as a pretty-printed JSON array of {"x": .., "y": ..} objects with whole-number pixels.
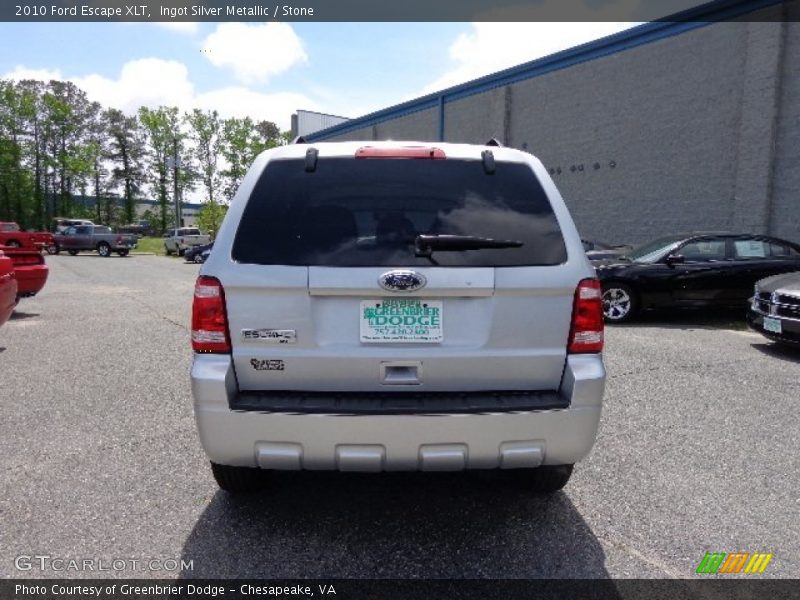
[
  {"x": 772, "y": 325},
  {"x": 401, "y": 320}
]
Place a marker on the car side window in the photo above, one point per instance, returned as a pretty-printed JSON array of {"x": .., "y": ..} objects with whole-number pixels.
[
  {"x": 781, "y": 250},
  {"x": 82, "y": 230},
  {"x": 703, "y": 251},
  {"x": 69, "y": 231},
  {"x": 750, "y": 249}
]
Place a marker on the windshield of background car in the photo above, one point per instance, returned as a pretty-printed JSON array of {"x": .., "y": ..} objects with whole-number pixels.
[
  {"x": 368, "y": 212},
  {"x": 653, "y": 251}
]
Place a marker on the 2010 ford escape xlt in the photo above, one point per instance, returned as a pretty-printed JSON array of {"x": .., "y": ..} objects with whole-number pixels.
[{"x": 384, "y": 306}]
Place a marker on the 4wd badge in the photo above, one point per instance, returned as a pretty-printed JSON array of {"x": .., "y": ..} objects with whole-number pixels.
[{"x": 266, "y": 365}]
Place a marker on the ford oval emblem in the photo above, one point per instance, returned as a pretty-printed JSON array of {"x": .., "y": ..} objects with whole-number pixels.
[{"x": 402, "y": 281}]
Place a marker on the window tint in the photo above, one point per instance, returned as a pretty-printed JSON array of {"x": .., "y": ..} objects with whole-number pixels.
[
  {"x": 703, "y": 250},
  {"x": 743, "y": 249},
  {"x": 368, "y": 212}
]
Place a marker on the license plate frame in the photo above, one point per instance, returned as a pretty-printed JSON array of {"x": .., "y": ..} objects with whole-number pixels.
[{"x": 401, "y": 321}]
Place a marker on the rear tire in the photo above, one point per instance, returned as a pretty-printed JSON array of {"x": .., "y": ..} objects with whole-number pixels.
[
  {"x": 53, "y": 249},
  {"x": 239, "y": 480},
  {"x": 620, "y": 303},
  {"x": 104, "y": 249},
  {"x": 547, "y": 479},
  {"x": 73, "y": 252},
  {"x": 123, "y": 252},
  {"x": 167, "y": 251},
  {"x": 198, "y": 258},
  {"x": 181, "y": 252}
]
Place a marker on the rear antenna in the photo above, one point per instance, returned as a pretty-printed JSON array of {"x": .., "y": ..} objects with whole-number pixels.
[
  {"x": 494, "y": 142},
  {"x": 299, "y": 140},
  {"x": 488, "y": 162},
  {"x": 311, "y": 160}
]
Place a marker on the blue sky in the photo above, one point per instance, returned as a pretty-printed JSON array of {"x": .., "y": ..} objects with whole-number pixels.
[{"x": 269, "y": 70}]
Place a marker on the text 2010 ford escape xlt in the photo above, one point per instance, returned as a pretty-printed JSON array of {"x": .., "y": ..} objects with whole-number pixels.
[{"x": 385, "y": 306}]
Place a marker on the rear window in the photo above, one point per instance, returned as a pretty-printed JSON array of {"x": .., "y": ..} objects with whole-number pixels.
[
  {"x": 102, "y": 229},
  {"x": 353, "y": 212},
  {"x": 190, "y": 232}
]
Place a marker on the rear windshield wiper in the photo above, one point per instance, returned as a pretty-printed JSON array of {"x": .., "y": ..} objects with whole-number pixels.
[{"x": 424, "y": 245}]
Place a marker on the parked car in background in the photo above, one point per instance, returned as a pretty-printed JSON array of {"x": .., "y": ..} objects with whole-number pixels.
[
  {"x": 11, "y": 235},
  {"x": 694, "y": 270},
  {"x": 775, "y": 308},
  {"x": 8, "y": 288},
  {"x": 366, "y": 312},
  {"x": 30, "y": 270},
  {"x": 196, "y": 253},
  {"x": 95, "y": 237},
  {"x": 596, "y": 251},
  {"x": 177, "y": 241}
]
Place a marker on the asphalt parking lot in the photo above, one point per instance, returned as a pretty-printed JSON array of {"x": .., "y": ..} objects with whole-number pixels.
[{"x": 697, "y": 452}]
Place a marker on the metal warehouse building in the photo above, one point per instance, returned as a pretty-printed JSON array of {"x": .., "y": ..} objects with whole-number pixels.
[{"x": 687, "y": 125}]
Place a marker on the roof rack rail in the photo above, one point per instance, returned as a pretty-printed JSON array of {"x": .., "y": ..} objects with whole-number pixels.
[
  {"x": 494, "y": 142},
  {"x": 299, "y": 140}
]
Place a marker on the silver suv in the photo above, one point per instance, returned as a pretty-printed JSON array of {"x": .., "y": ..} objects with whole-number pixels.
[{"x": 397, "y": 306}]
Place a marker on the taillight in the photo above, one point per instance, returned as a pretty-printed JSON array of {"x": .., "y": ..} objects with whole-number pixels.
[
  {"x": 586, "y": 331},
  {"x": 209, "y": 319}
]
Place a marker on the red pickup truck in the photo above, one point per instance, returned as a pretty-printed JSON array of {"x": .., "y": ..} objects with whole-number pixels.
[
  {"x": 12, "y": 236},
  {"x": 30, "y": 270},
  {"x": 8, "y": 288}
]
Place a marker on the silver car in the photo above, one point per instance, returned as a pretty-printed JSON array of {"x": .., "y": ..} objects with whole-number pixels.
[{"x": 390, "y": 306}]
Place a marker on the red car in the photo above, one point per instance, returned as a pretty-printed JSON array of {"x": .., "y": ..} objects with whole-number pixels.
[
  {"x": 30, "y": 270},
  {"x": 8, "y": 288},
  {"x": 12, "y": 236}
]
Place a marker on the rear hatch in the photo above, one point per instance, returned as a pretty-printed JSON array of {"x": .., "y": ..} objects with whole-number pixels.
[{"x": 398, "y": 273}]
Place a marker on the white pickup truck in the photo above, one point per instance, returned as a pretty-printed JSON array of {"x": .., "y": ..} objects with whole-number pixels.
[{"x": 177, "y": 241}]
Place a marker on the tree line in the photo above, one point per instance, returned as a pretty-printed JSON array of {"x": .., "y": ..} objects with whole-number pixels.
[{"x": 56, "y": 144}]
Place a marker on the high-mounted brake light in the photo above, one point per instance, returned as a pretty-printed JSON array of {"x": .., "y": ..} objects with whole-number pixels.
[
  {"x": 586, "y": 331},
  {"x": 209, "y": 317},
  {"x": 401, "y": 152}
]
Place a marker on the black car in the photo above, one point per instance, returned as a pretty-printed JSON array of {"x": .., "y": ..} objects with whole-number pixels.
[
  {"x": 775, "y": 308},
  {"x": 195, "y": 253},
  {"x": 717, "y": 269}
]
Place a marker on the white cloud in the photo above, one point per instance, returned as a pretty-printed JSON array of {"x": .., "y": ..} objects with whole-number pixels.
[
  {"x": 21, "y": 72},
  {"x": 153, "y": 82},
  {"x": 490, "y": 47},
  {"x": 185, "y": 27},
  {"x": 254, "y": 52},
  {"x": 240, "y": 102},
  {"x": 144, "y": 82}
]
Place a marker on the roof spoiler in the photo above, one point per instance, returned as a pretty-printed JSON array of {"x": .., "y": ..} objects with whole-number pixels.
[
  {"x": 494, "y": 142},
  {"x": 299, "y": 140}
]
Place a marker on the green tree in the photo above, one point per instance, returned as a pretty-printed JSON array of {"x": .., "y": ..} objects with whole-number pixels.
[
  {"x": 210, "y": 217},
  {"x": 127, "y": 152},
  {"x": 205, "y": 132},
  {"x": 163, "y": 135}
]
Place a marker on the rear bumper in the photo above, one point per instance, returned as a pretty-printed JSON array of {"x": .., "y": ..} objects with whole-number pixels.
[
  {"x": 399, "y": 442},
  {"x": 30, "y": 280}
]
